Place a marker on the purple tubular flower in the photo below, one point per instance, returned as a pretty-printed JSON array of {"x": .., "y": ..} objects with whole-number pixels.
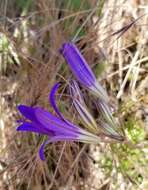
[
  {"x": 56, "y": 128},
  {"x": 81, "y": 70}
]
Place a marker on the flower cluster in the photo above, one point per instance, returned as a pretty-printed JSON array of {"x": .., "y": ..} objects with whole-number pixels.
[
  {"x": 58, "y": 128},
  {"x": 87, "y": 79}
]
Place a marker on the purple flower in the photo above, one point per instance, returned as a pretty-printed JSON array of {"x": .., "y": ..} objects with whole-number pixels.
[
  {"x": 82, "y": 71},
  {"x": 57, "y": 128}
]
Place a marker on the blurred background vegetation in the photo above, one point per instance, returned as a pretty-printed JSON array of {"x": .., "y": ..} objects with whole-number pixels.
[{"x": 113, "y": 37}]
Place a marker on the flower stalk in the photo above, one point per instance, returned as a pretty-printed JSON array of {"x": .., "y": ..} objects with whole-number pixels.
[{"x": 81, "y": 107}]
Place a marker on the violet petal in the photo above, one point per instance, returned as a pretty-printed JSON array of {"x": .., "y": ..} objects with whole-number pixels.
[
  {"x": 26, "y": 126},
  {"x": 57, "y": 126},
  {"x": 78, "y": 64},
  {"x": 27, "y": 112},
  {"x": 41, "y": 150},
  {"x": 53, "y": 101}
]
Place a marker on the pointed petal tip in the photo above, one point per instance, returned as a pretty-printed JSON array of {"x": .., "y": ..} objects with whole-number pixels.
[
  {"x": 53, "y": 92},
  {"x": 61, "y": 50},
  {"x": 18, "y": 129},
  {"x": 19, "y": 121},
  {"x": 23, "y": 108},
  {"x": 30, "y": 127},
  {"x": 65, "y": 45},
  {"x": 27, "y": 112},
  {"x": 41, "y": 155},
  {"x": 55, "y": 86},
  {"x": 41, "y": 150},
  {"x": 20, "y": 107}
]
